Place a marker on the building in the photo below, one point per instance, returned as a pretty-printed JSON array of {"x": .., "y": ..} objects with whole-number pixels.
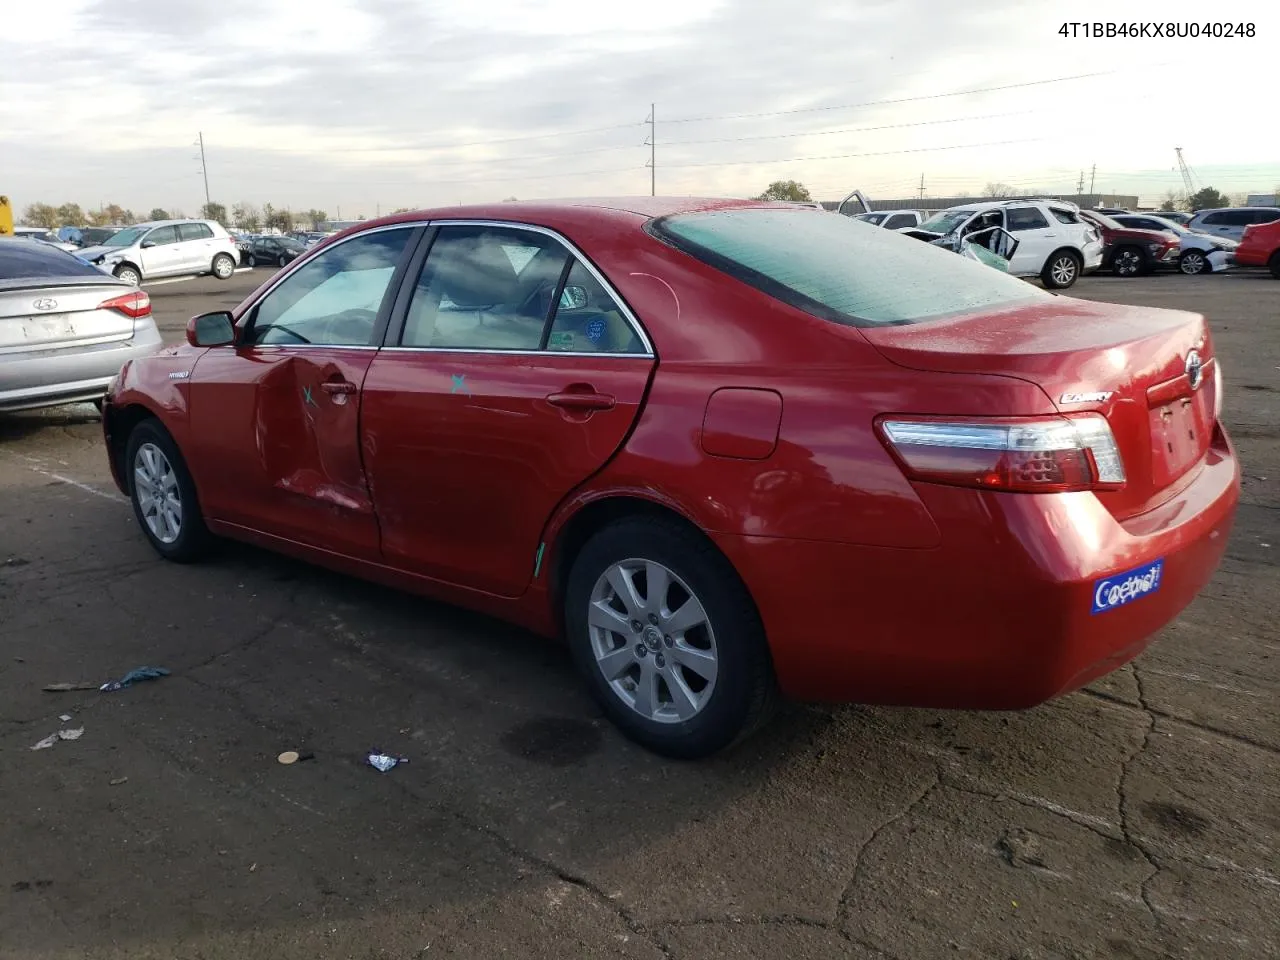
[
  {"x": 1086, "y": 200},
  {"x": 1263, "y": 200}
]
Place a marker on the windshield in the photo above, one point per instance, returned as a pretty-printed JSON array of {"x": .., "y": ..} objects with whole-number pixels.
[
  {"x": 125, "y": 238},
  {"x": 841, "y": 269},
  {"x": 946, "y": 221}
]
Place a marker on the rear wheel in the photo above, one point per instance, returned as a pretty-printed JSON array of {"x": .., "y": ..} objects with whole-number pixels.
[
  {"x": 1061, "y": 270},
  {"x": 1193, "y": 262},
  {"x": 1127, "y": 262},
  {"x": 667, "y": 638},
  {"x": 1274, "y": 264},
  {"x": 223, "y": 266},
  {"x": 128, "y": 274},
  {"x": 283, "y": 261},
  {"x": 163, "y": 494}
]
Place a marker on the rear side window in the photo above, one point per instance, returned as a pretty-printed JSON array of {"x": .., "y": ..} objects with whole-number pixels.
[
  {"x": 839, "y": 269},
  {"x": 1265, "y": 216},
  {"x": 1064, "y": 216},
  {"x": 1215, "y": 219},
  {"x": 194, "y": 231},
  {"x": 20, "y": 259},
  {"x": 1025, "y": 218},
  {"x": 900, "y": 220}
]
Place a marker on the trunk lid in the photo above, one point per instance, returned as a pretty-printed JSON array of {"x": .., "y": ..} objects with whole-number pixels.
[
  {"x": 1134, "y": 365},
  {"x": 44, "y": 314}
]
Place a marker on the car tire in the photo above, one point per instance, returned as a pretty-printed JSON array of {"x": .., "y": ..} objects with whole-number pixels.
[
  {"x": 283, "y": 261},
  {"x": 223, "y": 266},
  {"x": 129, "y": 274},
  {"x": 1061, "y": 270},
  {"x": 716, "y": 673},
  {"x": 252, "y": 261},
  {"x": 1274, "y": 264},
  {"x": 1128, "y": 261},
  {"x": 1193, "y": 262},
  {"x": 161, "y": 489}
]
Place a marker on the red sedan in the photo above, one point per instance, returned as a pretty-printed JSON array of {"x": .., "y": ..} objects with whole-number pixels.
[{"x": 727, "y": 449}]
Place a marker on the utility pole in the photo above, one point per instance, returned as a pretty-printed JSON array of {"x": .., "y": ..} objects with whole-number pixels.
[
  {"x": 1092, "y": 173},
  {"x": 1080, "y": 185},
  {"x": 205, "y": 170},
  {"x": 653, "y": 149},
  {"x": 921, "y": 198}
]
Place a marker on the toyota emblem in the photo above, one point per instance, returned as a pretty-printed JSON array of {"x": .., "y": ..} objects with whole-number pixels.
[
  {"x": 1195, "y": 370},
  {"x": 44, "y": 303}
]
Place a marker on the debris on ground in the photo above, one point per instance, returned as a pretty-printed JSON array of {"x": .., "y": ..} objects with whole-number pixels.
[
  {"x": 68, "y": 687},
  {"x": 1020, "y": 847},
  {"x": 65, "y": 718},
  {"x": 53, "y": 738},
  {"x": 383, "y": 762},
  {"x": 47, "y": 742},
  {"x": 134, "y": 676},
  {"x": 117, "y": 781},
  {"x": 288, "y": 757}
]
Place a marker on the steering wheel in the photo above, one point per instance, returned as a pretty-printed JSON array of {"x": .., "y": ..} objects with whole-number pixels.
[{"x": 259, "y": 333}]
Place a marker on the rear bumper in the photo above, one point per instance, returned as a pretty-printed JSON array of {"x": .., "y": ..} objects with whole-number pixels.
[
  {"x": 1001, "y": 615},
  {"x": 73, "y": 374}
]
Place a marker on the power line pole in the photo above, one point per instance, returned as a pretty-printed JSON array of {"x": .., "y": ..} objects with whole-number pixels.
[
  {"x": 1092, "y": 173},
  {"x": 921, "y": 198},
  {"x": 653, "y": 149},
  {"x": 204, "y": 168},
  {"x": 1080, "y": 185}
]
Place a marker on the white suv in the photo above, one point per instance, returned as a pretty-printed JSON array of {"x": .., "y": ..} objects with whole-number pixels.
[
  {"x": 166, "y": 248},
  {"x": 1054, "y": 243}
]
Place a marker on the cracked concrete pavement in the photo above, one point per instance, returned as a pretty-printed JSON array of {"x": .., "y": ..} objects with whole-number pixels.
[{"x": 1138, "y": 819}]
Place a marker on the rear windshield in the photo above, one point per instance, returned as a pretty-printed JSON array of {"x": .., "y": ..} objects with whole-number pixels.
[
  {"x": 21, "y": 259},
  {"x": 839, "y": 268}
]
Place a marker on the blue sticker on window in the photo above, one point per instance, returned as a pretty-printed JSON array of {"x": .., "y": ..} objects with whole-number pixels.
[
  {"x": 1124, "y": 588},
  {"x": 595, "y": 330}
]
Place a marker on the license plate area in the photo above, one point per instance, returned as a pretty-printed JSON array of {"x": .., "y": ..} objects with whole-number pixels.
[{"x": 1179, "y": 438}]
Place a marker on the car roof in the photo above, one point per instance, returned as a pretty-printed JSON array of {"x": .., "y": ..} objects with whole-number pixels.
[{"x": 1223, "y": 209}]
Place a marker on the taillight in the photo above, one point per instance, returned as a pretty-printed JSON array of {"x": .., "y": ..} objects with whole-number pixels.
[
  {"x": 1042, "y": 455},
  {"x": 136, "y": 304}
]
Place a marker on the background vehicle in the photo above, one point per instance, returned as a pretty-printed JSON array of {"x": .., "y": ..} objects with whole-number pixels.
[
  {"x": 1130, "y": 252},
  {"x": 698, "y": 549},
  {"x": 65, "y": 327},
  {"x": 1260, "y": 247},
  {"x": 279, "y": 251},
  {"x": 167, "y": 248},
  {"x": 1174, "y": 216},
  {"x": 44, "y": 236},
  {"x": 1197, "y": 252},
  {"x": 893, "y": 219},
  {"x": 1054, "y": 243},
  {"x": 1230, "y": 221}
]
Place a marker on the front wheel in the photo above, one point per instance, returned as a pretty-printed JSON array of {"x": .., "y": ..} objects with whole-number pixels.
[
  {"x": 223, "y": 266},
  {"x": 283, "y": 261},
  {"x": 163, "y": 494},
  {"x": 1274, "y": 264},
  {"x": 128, "y": 274},
  {"x": 1127, "y": 262},
  {"x": 1193, "y": 262},
  {"x": 1062, "y": 270},
  {"x": 668, "y": 638}
]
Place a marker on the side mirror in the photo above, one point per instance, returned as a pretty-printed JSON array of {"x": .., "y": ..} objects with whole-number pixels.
[
  {"x": 211, "y": 330},
  {"x": 146, "y": 244},
  {"x": 573, "y": 298}
]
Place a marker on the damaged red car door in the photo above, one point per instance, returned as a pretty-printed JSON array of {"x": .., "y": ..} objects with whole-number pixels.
[{"x": 275, "y": 418}]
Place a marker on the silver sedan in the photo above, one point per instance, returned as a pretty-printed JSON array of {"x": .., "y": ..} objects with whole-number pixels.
[{"x": 66, "y": 327}]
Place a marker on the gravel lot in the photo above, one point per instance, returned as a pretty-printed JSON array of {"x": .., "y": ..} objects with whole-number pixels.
[{"x": 1138, "y": 819}]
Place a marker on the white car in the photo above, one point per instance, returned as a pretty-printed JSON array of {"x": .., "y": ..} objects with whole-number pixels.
[
  {"x": 1054, "y": 243},
  {"x": 893, "y": 219},
  {"x": 44, "y": 236},
  {"x": 166, "y": 248},
  {"x": 1197, "y": 252}
]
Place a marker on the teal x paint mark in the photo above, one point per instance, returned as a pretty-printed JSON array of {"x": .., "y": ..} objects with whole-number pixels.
[
  {"x": 537, "y": 563},
  {"x": 306, "y": 396},
  {"x": 460, "y": 384}
]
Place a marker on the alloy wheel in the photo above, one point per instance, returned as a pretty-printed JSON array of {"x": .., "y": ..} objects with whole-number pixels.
[
  {"x": 1192, "y": 263},
  {"x": 223, "y": 267},
  {"x": 1127, "y": 263},
  {"x": 159, "y": 498},
  {"x": 1063, "y": 271},
  {"x": 652, "y": 641}
]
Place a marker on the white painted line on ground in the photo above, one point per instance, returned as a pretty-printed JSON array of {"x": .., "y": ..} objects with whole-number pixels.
[
  {"x": 33, "y": 465},
  {"x": 194, "y": 276}
]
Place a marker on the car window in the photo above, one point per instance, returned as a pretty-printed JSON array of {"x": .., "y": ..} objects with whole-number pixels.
[
  {"x": 837, "y": 269},
  {"x": 1025, "y": 218},
  {"x": 587, "y": 319},
  {"x": 899, "y": 220},
  {"x": 485, "y": 288},
  {"x": 334, "y": 300},
  {"x": 194, "y": 231},
  {"x": 20, "y": 260},
  {"x": 876, "y": 218},
  {"x": 1064, "y": 216},
  {"x": 1265, "y": 216},
  {"x": 162, "y": 235},
  {"x": 1218, "y": 219}
]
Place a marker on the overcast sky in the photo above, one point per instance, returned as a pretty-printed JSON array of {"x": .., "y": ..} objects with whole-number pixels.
[{"x": 356, "y": 105}]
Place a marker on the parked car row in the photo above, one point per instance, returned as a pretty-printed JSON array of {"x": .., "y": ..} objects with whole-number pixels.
[
  {"x": 166, "y": 248},
  {"x": 1058, "y": 241}
]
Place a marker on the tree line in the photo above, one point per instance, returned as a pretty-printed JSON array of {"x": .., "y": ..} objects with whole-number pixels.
[{"x": 243, "y": 216}]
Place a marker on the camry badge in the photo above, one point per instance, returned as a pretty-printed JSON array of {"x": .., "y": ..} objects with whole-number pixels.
[
  {"x": 1086, "y": 397},
  {"x": 1195, "y": 369},
  {"x": 44, "y": 303}
]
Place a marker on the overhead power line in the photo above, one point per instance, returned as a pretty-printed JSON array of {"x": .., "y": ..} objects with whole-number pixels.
[{"x": 846, "y": 156}]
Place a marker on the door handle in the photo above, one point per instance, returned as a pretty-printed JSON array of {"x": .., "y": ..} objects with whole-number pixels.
[
  {"x": 581, "y": 400},
  {"x": 338, "y": 387}
]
